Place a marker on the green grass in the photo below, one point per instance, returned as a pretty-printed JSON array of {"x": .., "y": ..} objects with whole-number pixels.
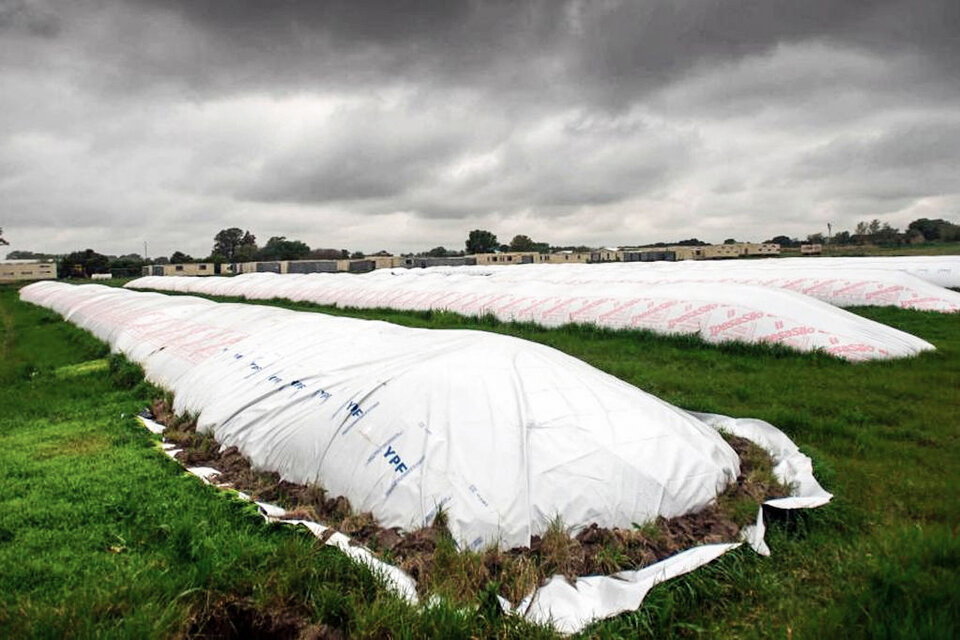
[
  {"x": 102, "y": 535},
  {"x": 925, "y": 249},
  {"x": 880, "y": 561}
]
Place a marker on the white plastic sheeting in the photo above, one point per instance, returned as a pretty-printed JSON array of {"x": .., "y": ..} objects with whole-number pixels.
[
  {"x": 716, "y": 312},
  {"x": 501, "y": 427},
  {"x": 837, "y": 285},
  {"x": 940, "y": 270},
  {"x": 495, "y": 430},
  {"x": 571, "y": 606}
]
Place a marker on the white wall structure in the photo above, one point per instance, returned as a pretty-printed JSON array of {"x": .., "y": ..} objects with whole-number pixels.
[
  {"x": 503, "y": 434},
  {"x": 716, "y": 311}
]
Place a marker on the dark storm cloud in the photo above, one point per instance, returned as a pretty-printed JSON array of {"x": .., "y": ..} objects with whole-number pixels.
[
  {"x": 414, "y": 159},
  {"x": 637, "y": 43},
  {"x": 601, "y": 52},
  {"x": 404, "y": 123},
  {"x": 594, "y": 52},
  {"x": 30, "y": 17},
  {"x": 360, "y": 154}
]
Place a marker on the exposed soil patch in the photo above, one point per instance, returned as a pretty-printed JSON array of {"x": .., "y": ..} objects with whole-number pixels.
[
  {"x": 430, "y": 554},
  {"x": 233, "y": 618}
]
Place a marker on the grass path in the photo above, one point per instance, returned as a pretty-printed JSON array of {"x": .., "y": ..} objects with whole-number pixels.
[{"x": 101, "y": 535}]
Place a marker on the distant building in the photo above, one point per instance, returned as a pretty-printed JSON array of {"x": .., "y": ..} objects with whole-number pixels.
[
  {"x": 270, "y": 266},
  {"x": 715, "y": 251},
  {"x": 565, "y": 257},
  {"x": 356, "y": 266},
  {"x": 762, "y": 249},
  {"x": 385, "y": 262},
  {"x": 811, "y": 249},
  {"x": 17, "y": 270},
  {"x": 421, "y": 262},
  {"x": 658, "y": 256},
  {"x": 606, "y": 254},
  {"x": 508, "y": 257},
  {"x": 701, "y": 252},
  {"x": 369, "y": 263},
  {"x": 313, "y": 266},
  {"x": 185, "y": 269}
]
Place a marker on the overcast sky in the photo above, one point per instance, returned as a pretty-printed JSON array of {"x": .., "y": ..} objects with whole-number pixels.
[{"x": 402, "y": 125}]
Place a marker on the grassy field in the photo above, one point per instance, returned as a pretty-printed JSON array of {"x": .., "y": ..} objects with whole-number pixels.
[
  {"x": 926, "y": 249},
  {"x": 100, "y": 534}
]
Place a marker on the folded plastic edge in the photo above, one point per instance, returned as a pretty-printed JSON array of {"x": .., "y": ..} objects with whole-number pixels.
[{"x": 569, "y": 606}]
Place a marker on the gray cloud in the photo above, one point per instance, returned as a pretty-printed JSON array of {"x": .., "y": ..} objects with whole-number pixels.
[
  {"x": 594, "y": 52},
  {"x": 31, "y": 17},
  {"x": 362, "y": 153},
  {"x": 404, "y": 124}
]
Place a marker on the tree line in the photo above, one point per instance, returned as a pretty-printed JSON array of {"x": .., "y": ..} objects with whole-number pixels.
[
  {"x": 483, "y": 241},
  {"x": 229, "y": 245},
  {"x": 878, "y": 233},
  {"x": 240, "y": 245}
]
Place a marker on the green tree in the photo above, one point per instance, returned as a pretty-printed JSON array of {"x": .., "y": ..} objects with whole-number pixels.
[
  {"x": 246, "y": 253},
  {"x": 179, "y": 257},
  {"x": 437, "y": 252},
  {"x": 730, "y": 241},
  {"x": 522, "y": 243},
  {"x": 228, "y": 241},
  {"x": 784, "y": 241},
  {"x": 949, "y": 232},
  {"x": 127, "y": 265},
  {"x": 933, "y": 230},
  {"x": 128, "y": 261},
  {"x": 887, "y": 234},
  {"x": 83, "y": 264},
  {"x": 29, "y": 255},
  {"x": 841, "y": 238},
  {"x": 2, "y": 239},
  {"x": 279, "y": 248},
  {"x": 481, "y": 241},
  {"x": 926, "y": 227},
  {"x": 326, "y": 254}
]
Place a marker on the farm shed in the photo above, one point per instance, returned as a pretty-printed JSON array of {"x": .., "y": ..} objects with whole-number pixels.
[{"x": 15, "y": 270}]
